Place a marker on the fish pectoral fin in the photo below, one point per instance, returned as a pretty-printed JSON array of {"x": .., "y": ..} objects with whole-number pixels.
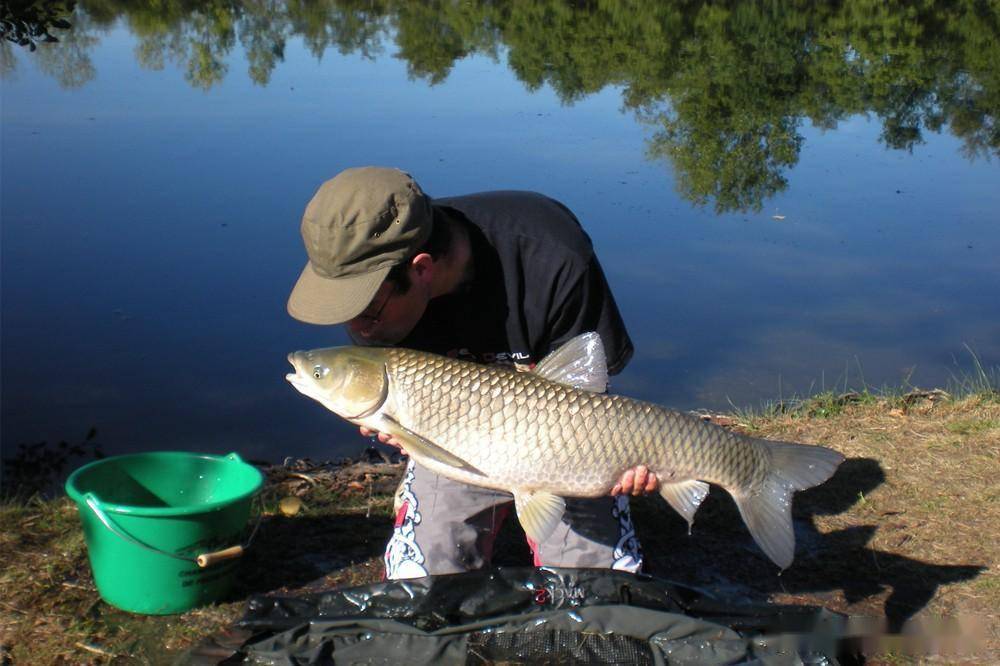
[
  {"x": 422, "y": 446},
  {"x": 539, "y": 513},
  {"x": 579, "y": 363},
  {"x": 685, "y": 497}
]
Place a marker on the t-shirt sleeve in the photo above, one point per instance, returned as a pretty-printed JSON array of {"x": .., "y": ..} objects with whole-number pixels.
[{"x": 588, "y": 305}]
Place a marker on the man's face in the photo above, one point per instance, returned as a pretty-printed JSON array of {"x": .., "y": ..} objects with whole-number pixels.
[{"x": 391, "y": 315}]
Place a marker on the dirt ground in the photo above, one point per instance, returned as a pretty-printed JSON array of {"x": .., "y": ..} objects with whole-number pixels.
[{"x": 905, "y": 533}]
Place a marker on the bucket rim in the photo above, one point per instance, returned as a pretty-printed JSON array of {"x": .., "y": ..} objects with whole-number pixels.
[{"x": 168, "y": 511}]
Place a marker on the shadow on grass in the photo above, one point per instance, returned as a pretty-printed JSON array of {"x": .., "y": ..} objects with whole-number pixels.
[
  {"x": 836, "y": 569},
  {"x": 720, "y": 556},
  {"x": 289, "y": 553}
]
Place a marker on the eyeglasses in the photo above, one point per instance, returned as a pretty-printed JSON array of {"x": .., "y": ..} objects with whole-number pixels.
[{"x": 375, "y": 318}]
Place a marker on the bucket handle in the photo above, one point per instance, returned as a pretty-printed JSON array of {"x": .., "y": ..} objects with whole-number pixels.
[{"x": 203, "y": 560}]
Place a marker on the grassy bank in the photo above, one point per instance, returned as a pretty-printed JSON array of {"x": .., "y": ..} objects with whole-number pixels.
[{"x": 907, "y": 530}]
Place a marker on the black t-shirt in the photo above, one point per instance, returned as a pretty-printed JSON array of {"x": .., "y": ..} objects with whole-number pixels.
[{"x": 536, "y": 284}]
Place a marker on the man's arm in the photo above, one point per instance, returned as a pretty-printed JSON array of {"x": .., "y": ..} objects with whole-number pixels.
[{"x": 586, "y": 304}]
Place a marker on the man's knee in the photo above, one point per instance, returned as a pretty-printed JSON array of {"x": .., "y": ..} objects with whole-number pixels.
[{"x": 596, "y": 533}]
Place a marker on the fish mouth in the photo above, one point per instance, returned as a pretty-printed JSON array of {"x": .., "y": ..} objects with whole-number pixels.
[{"x": 296, "y": 378}]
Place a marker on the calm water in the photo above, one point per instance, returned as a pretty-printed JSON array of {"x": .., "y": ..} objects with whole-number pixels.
[{"x": 783, "y": 204}]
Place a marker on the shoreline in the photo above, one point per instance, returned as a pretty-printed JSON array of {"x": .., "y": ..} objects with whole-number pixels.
[{"x": 896, "y": 536}]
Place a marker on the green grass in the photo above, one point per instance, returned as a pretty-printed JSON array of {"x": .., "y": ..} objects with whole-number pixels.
[
  {"x": 979, "y": 381},
  {"x": 51, "y": 613},
  {"x": 988, "y": 584},
  {"x": 820, "y": 405},
  {"x": 973, "y": 426}
]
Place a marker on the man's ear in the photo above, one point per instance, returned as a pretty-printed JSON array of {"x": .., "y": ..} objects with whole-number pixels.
[{"x": 422, "y": 268}]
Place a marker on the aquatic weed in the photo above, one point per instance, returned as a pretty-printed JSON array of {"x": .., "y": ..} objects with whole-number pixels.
[{"x": 37, "y": 468}]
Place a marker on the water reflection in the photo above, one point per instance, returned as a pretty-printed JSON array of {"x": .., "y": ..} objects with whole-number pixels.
[
  {"x": 726, "y": 88},
  {"x": 149, "y": 228}
]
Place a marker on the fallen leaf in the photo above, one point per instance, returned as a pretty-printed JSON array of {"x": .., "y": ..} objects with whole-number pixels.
[{"x": 290, "y": 505}]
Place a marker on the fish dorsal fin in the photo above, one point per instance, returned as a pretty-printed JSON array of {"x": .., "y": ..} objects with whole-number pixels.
[
  {"x": 579, "y": 363},
  {"x": 685, "y": 497},
  {"x": 414, "y": 443},
  {"x": 538, "y": 512}
]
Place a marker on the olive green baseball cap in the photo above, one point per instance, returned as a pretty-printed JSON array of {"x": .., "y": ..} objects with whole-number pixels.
[{"x": 357, "y": 226}]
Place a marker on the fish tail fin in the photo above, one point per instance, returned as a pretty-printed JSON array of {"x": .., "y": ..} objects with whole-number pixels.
[
  {"x": 802, "y": 465},
  {"x": 767, "y": 508}
]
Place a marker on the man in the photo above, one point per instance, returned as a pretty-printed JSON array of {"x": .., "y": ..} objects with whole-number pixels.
[{"x": 495, "y": 277}]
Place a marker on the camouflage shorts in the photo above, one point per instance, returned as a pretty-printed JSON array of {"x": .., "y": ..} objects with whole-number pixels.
[{"x": 443, "y": 526}]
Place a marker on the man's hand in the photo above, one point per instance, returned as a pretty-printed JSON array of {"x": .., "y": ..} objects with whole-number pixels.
[
  {"x": 636, "y": 481},
  {"x": 383, "y": 437}
]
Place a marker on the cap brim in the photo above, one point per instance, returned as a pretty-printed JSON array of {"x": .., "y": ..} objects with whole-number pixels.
[{"x": 319, "y": 300}]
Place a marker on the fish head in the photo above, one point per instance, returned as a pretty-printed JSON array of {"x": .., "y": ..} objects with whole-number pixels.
[{"x": 352, "y": 382}]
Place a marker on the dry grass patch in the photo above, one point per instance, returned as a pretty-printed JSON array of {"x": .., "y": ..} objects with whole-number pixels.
[
  {"x": 907, "y": 529},
  {"x": 51, "y": 612},
  {"x": 935, "y": 518},
  {"x": 940, "y": 501}
]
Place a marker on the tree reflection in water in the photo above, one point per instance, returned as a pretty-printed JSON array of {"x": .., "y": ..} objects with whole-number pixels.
[{"x": 725, "y": 86}]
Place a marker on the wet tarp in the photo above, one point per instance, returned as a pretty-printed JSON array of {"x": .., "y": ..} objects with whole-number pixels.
[{"x": 534, "y": 616}]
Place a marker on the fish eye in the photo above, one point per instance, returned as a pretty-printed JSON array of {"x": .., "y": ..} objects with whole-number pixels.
[{"x": 318, "y": 372}]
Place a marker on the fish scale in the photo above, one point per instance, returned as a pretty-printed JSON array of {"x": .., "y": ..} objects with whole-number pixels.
[
  {"x": 445, "y": 402},
  {"x": 548, "y": 434}
]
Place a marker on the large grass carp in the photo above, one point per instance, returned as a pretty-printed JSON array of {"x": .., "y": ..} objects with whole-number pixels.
[{"x": 553, "y": 433}]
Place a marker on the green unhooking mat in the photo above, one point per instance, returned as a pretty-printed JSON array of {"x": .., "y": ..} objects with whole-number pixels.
[{"x": 533, "y": 616}]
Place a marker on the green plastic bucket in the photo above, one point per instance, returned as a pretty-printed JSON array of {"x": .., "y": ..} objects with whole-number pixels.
[{"x": 164, "y": 529}]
